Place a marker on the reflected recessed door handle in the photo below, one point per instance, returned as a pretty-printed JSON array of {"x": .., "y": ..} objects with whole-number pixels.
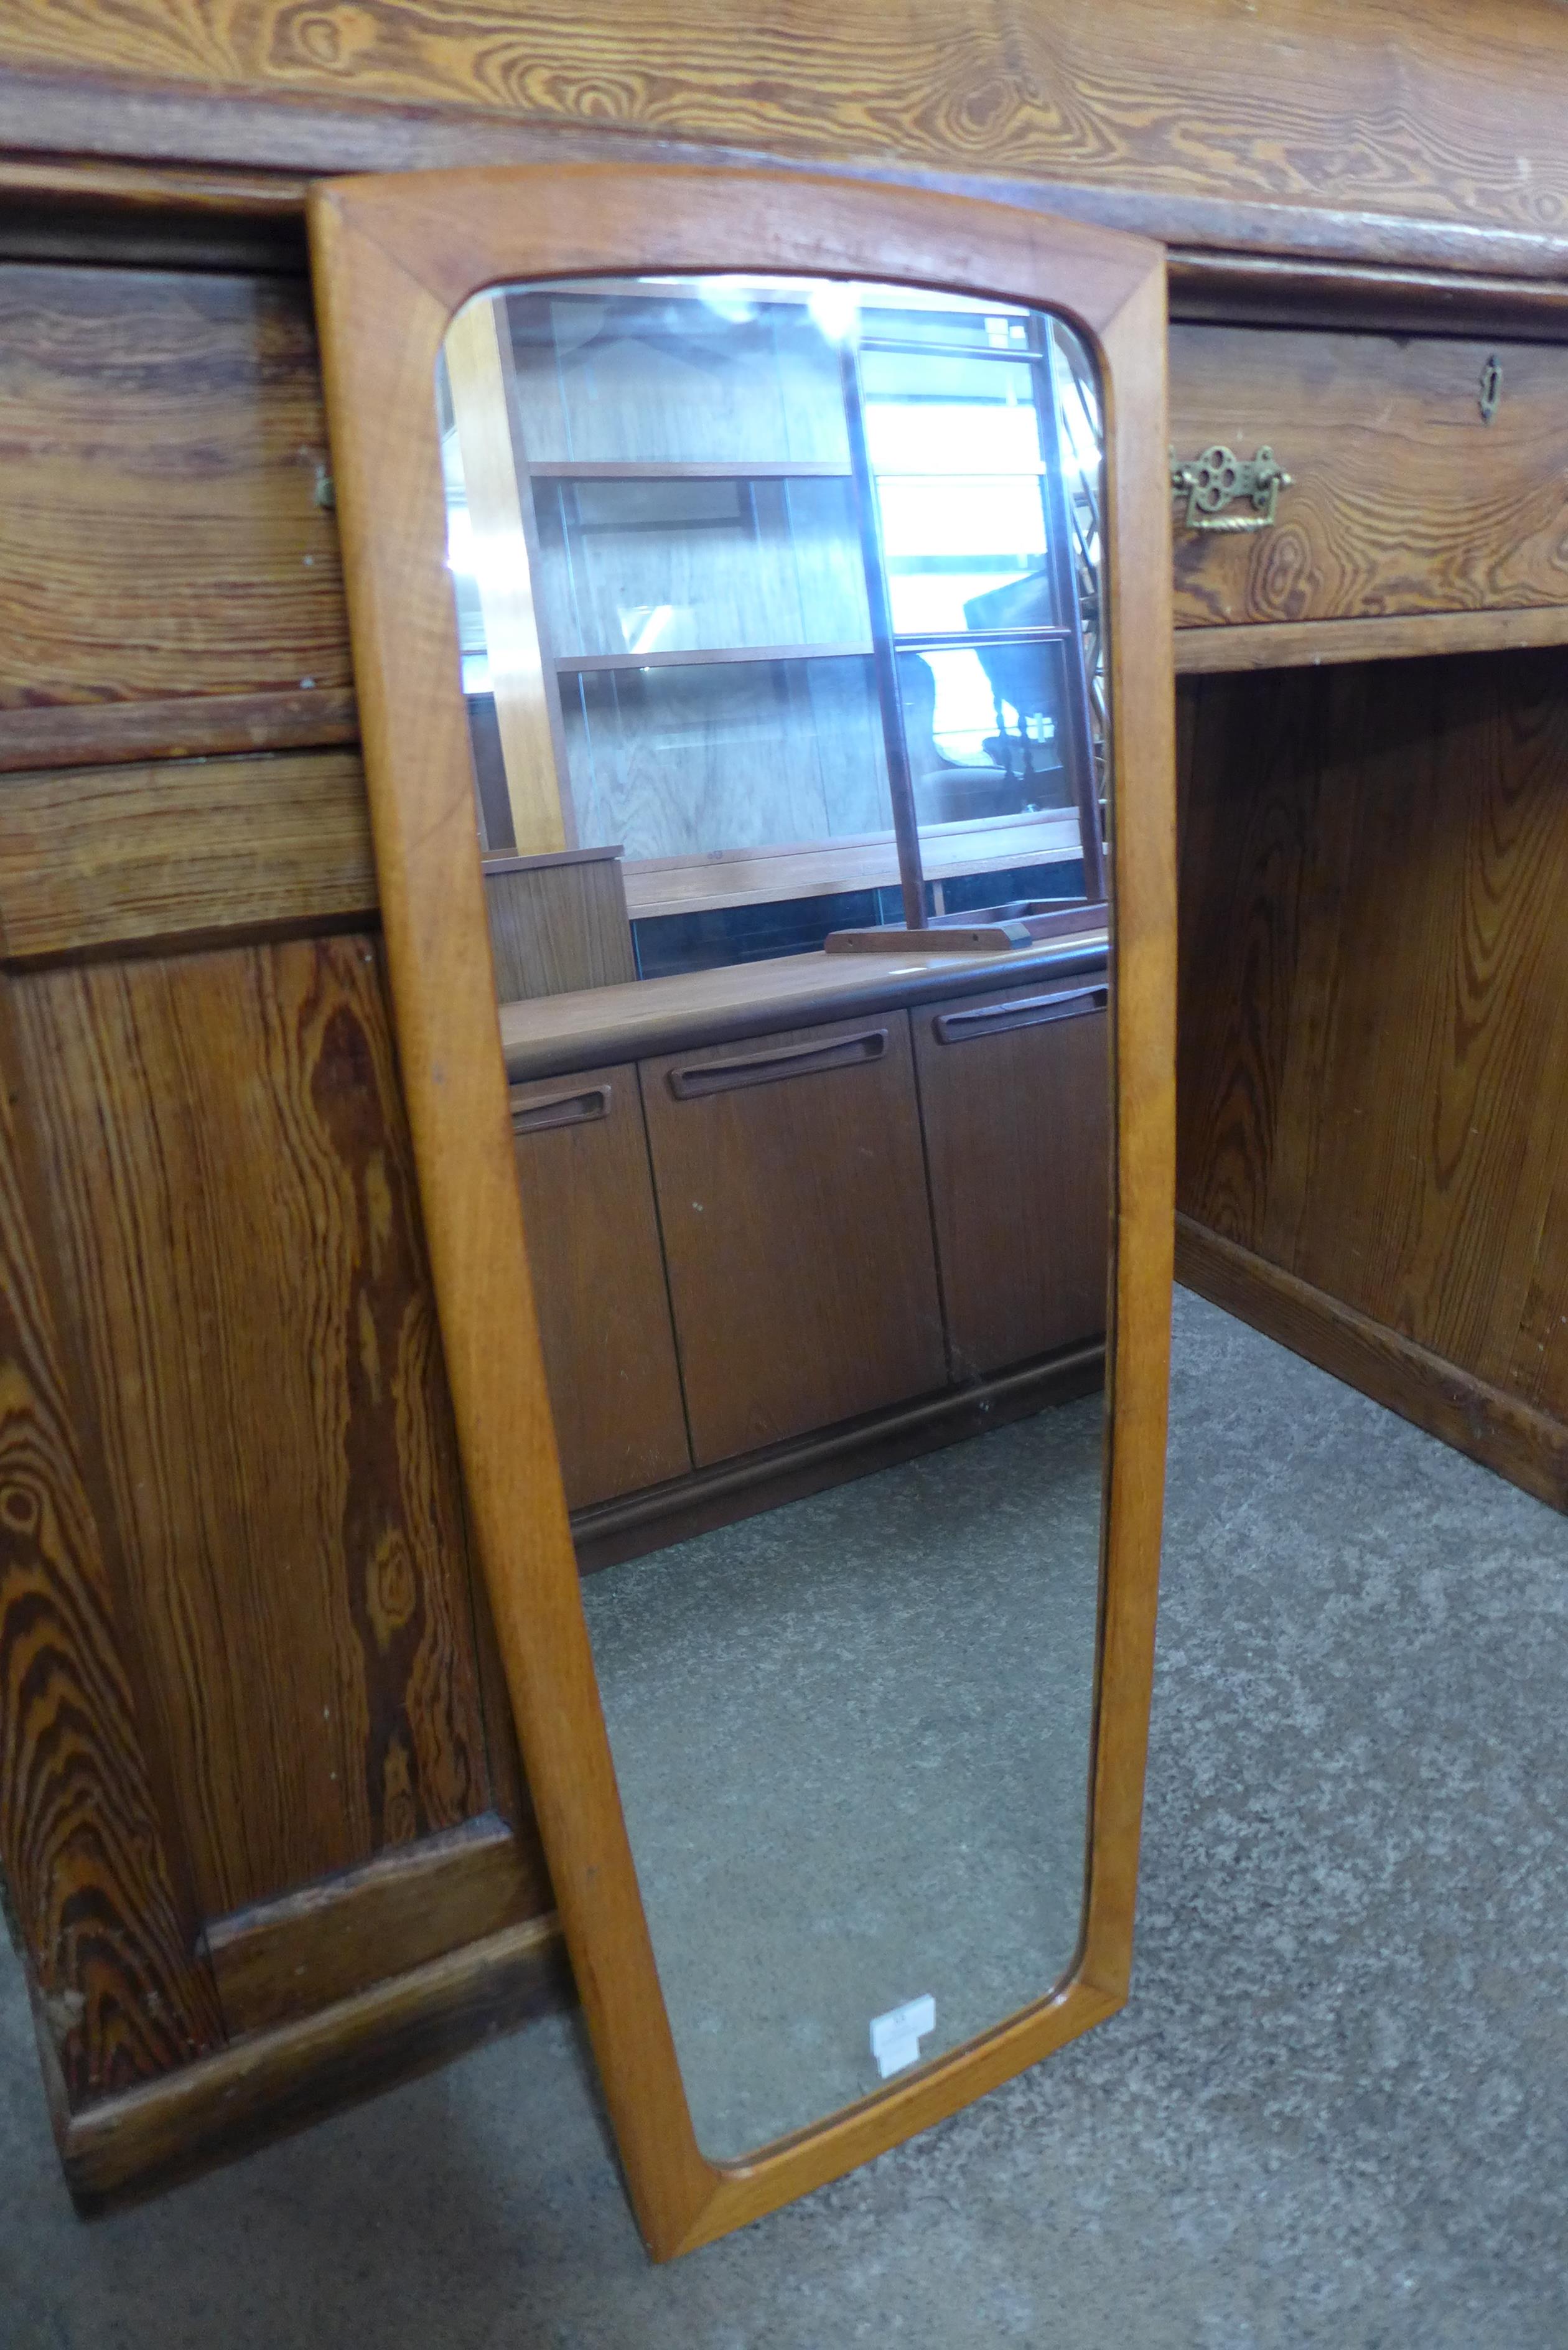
[
  {"x": 784, "y": 1061},
  {"x": 1024, "y": 1012},
  {"x": 578, "y": 1107}
]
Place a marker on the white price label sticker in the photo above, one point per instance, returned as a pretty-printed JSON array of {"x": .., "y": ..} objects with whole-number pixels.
[{"x": 896, "y": 2037}]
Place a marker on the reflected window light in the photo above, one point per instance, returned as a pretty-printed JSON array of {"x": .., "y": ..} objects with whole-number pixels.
[
  {"x": 834, "y": 310},
  {"x": 734, "y": 299},
  {"x": 968, "y": 435},
  {"x": 490, "y": 563},
  {"x": 644, "y": 624},
  {"x": 460, "y": 541}
]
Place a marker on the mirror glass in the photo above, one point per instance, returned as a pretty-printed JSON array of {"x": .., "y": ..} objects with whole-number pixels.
[{"x": 780, "y": 614}]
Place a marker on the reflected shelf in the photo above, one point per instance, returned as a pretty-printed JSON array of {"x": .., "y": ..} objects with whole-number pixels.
[
  {"x": 581, "y": 664},
  {"x": 922, "y": 346},
  {"x": 696, "y": 469},
  {"x": 1015, "y": 469},
  {"x": 964, "y": 640},
  {"x": 905, "y": 641}
]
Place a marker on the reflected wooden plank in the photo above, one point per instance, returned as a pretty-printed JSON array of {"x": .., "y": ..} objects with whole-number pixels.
[
  {"x": 749, "y": 876},
  {"x": 476, "y": 371}
]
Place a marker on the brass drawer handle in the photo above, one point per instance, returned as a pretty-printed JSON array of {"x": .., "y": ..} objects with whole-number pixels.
[
  {"x": 1215, "y": 480},
  {"x": 578, "y": 1107},
  {"x": 784, "y": 1061},
  {"x": 1024, "y": 1012}
]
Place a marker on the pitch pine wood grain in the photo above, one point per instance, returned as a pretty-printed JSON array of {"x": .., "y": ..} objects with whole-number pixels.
[
  {"x": 1251, "y": 749},
  {"x": 1374, "y": 1080},
  {"x": 226, "y": 1151},
  {"x": 1261, "y": 264},
  {"x": 1402, "y": 499},
  {"x": 283, "y": 2079},
  {"x": 186, "y": 726},
  {"x": 162, "y": 441},
  {"x": 289, "y": 1957},
  {"x": 1448, "y": 111},
  {"x": 1528, "y": 1446},
  {"x": 1536, "y": 1369},
  {"x": 1320, "y": 644},
  {"x": 1276, "y": 289},
  {"x": 107, "y": 1926},
  {"x": 82, "y": 208},
  {"x": 97, "y": 858},
  {"x": 1445, "y": 1017}
]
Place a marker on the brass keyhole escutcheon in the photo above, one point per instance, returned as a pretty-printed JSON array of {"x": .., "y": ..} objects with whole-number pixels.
[{"x": 1491, "y": 387}]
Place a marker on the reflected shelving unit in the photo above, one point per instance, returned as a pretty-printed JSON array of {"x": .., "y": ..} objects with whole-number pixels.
[{"x": 782, "y": 597}]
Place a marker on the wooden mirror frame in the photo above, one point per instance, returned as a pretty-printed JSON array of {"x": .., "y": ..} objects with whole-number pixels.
[{"x": 394, "y": 258}]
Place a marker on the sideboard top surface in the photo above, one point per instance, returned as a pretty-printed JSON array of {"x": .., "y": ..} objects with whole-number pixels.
[{"x": 596, "y": 1027}]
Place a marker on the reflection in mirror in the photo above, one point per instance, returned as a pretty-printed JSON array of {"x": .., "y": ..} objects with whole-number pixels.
[{"x": 779, "y": 607}]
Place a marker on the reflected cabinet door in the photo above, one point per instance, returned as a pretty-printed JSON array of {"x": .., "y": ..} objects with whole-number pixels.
[
  {"x": 759, "y": 588},
  {"x": 598, "y": 1283},
  {"x": 792, "y": 1191},
  {"x": 1014, "y": 1098}
]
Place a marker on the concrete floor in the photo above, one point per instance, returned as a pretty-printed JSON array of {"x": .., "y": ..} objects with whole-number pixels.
[
  {"x": 852, "y": 1739},
  {"x": 1334, "y": 2113}
]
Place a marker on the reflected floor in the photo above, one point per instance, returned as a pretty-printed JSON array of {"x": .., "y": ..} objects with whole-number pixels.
[{"x": 852, "y": 1742}]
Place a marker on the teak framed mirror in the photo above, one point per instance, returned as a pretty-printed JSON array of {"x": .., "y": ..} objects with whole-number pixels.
[{"x": 760, "y": 590}]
